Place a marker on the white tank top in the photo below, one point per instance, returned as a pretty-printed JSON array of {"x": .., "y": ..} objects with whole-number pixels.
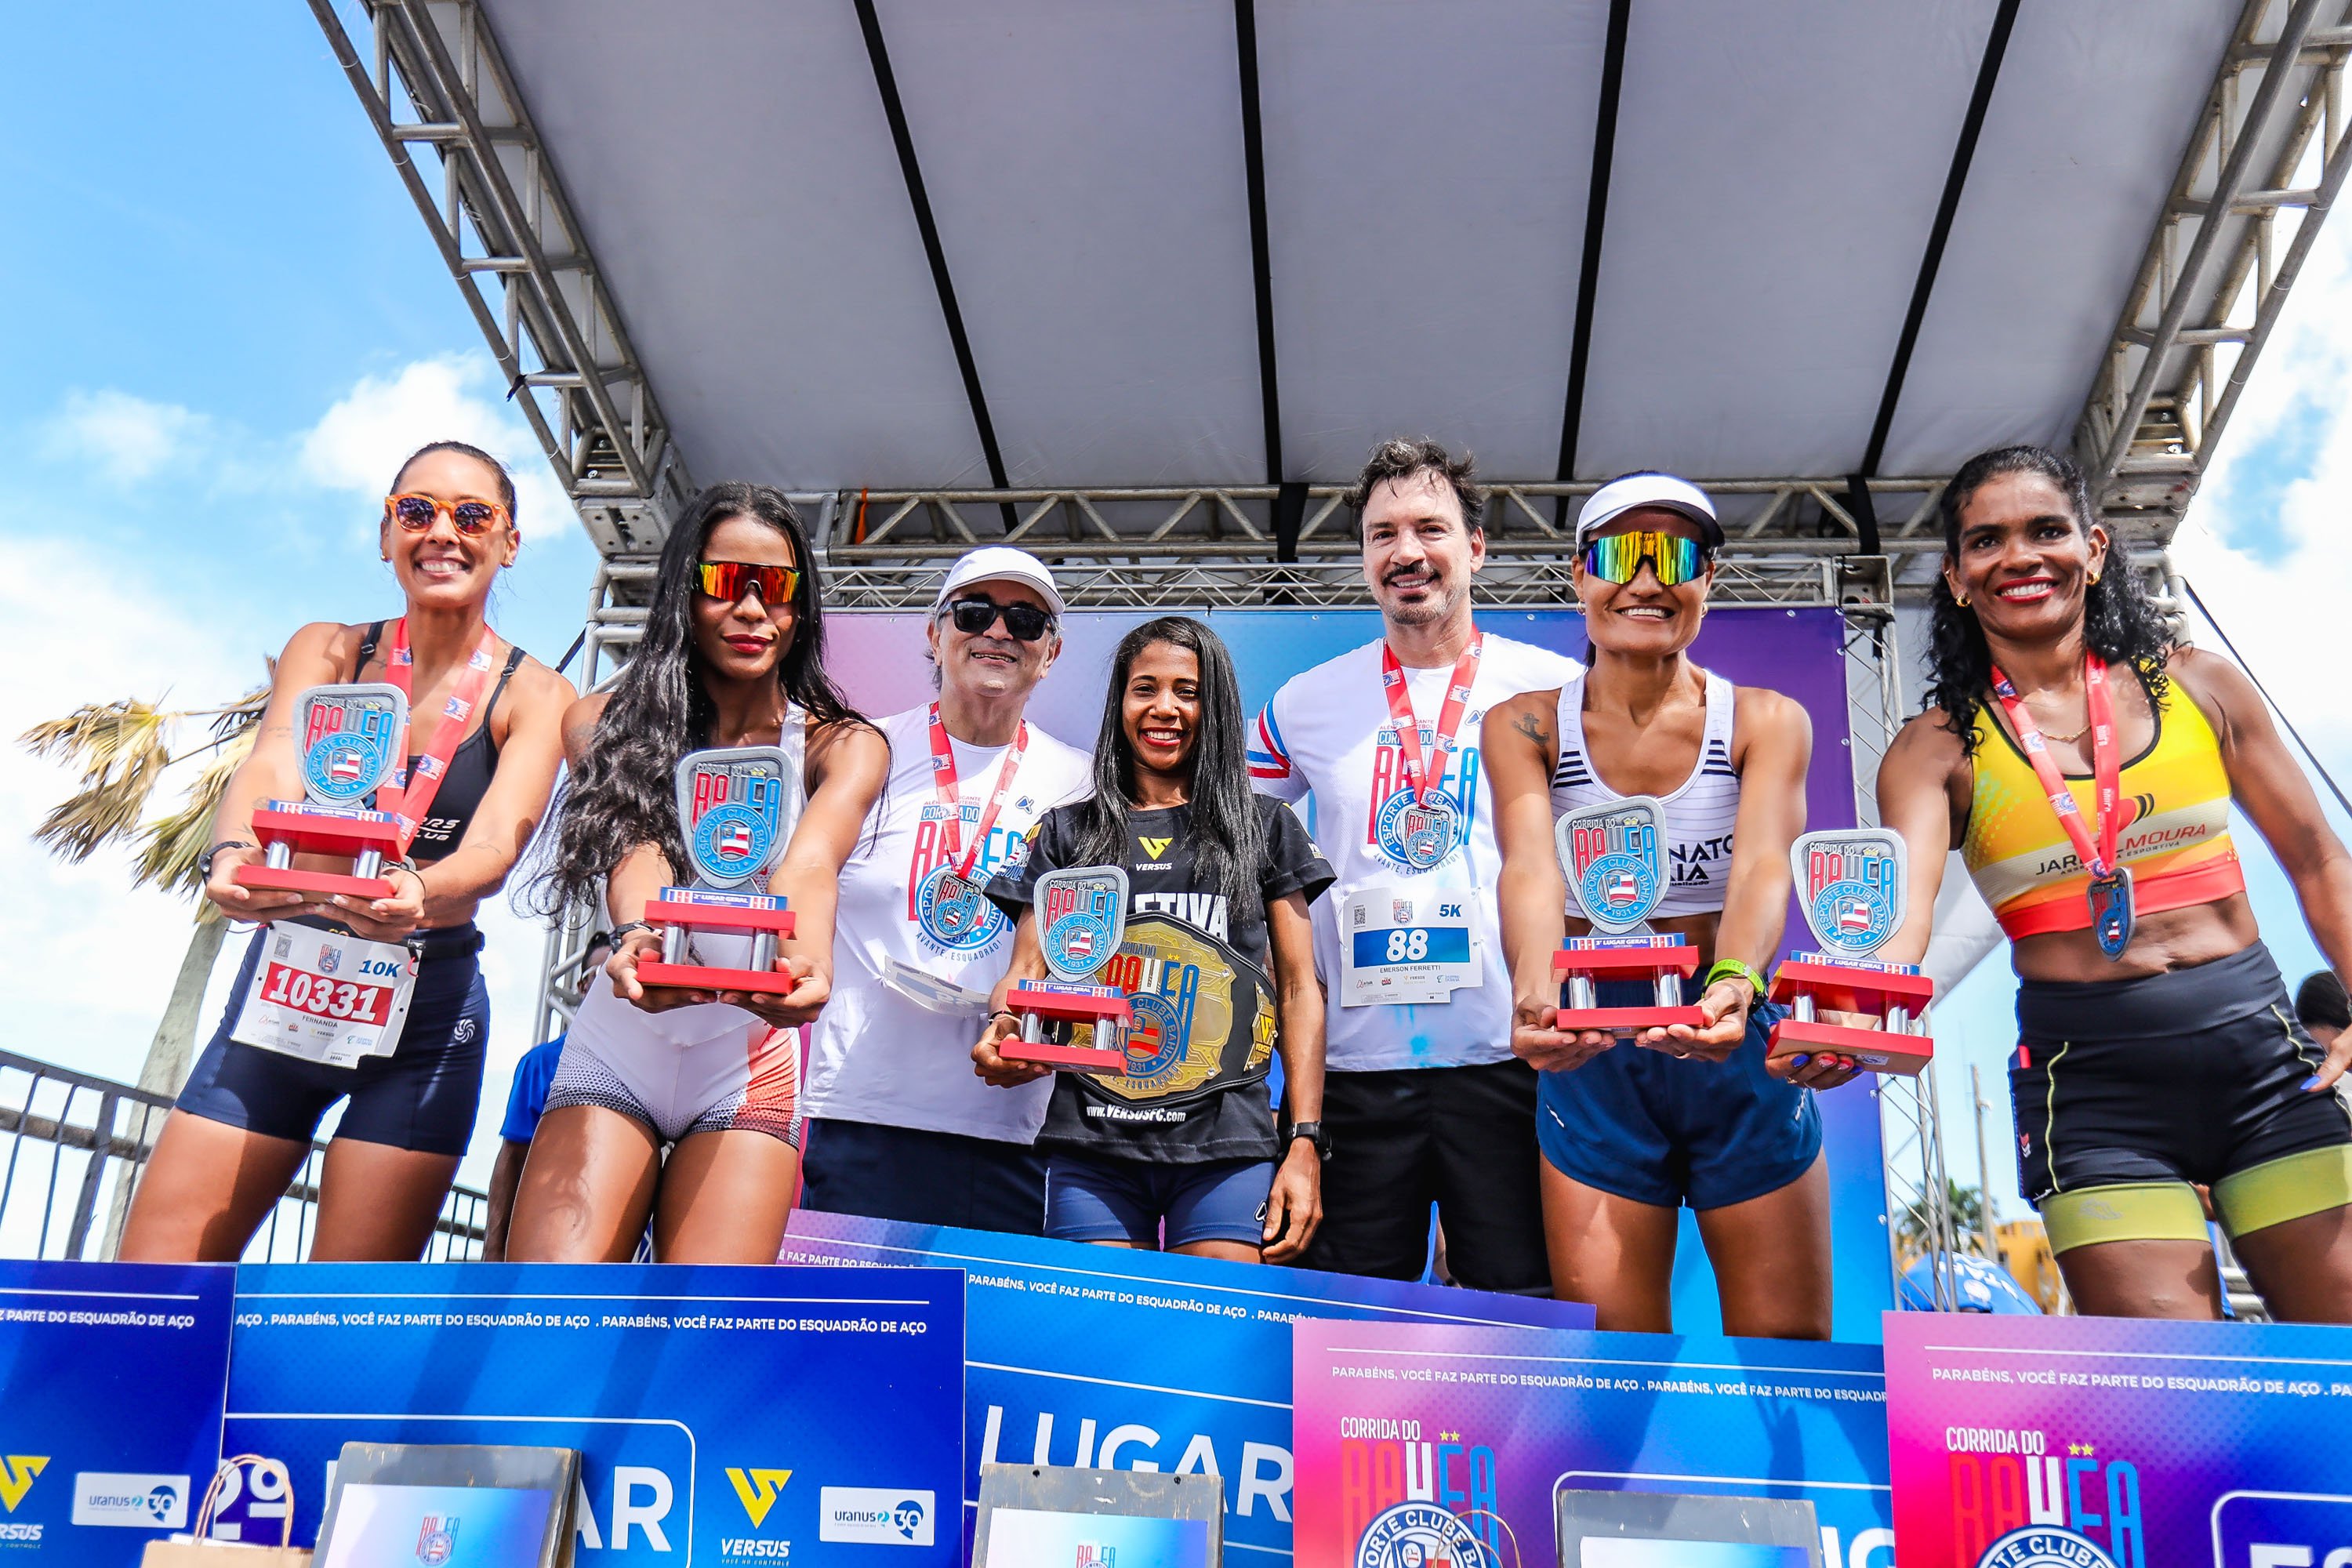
[
  {"x": 611, "y": 1024},
  {"x": 1700, "y": 814}
]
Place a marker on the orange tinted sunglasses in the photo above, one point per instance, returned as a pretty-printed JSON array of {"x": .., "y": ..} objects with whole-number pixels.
[{"x": 415, "y": 514}]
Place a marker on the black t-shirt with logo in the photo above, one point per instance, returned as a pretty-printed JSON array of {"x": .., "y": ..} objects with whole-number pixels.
[{"x": 1201, "y": 984}]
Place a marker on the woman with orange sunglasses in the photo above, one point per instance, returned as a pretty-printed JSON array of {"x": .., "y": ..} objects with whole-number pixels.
[
  {"x": 376, "y": 1001},
  {"x": 671, "y": 1105}
]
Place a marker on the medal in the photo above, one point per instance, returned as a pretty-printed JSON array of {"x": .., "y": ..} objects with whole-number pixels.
[
  {"x": 1425, "y": 825},
  {"x": 2110, "y": 892},
  {"x": 953, "y": 909},
  {"x": 409, "y": 794}
]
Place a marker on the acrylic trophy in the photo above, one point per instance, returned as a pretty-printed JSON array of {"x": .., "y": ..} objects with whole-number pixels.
[
  {"x": 1614, "y": 858},
  {"x": 1850, "y": 883},
  {"x": 351, "y": 738},
  {"x": 1081, "y": 916},
  {"x": 731, "y": 806}
]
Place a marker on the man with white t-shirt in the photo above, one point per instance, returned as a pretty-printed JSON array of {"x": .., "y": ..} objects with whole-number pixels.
[
  {"x": 1424, "y": 1100},
  {"x": 899, "y": 1127}
]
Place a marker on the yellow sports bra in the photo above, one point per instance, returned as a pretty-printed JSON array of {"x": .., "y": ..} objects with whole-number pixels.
[{"x": 2175, "y": 835}]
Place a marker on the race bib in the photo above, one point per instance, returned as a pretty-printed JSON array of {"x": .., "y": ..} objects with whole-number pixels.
[
  {"x": 1400, "y": 946},
  {"x": 326, "y": 996}
]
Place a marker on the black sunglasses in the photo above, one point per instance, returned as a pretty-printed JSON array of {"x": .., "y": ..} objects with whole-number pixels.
[{"x": 1023, "y": 623}]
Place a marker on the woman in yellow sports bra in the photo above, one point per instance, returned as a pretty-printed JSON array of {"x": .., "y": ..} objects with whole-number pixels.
[{"x": 2085, "y": 764}]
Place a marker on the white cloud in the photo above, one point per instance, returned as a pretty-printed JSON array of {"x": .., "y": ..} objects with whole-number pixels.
[
  {"x": 358, "y": 445},
  {"x": 126, "y": 437}
]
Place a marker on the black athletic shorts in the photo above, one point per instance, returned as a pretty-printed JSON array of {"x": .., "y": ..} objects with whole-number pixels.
[
  {"x": 422, "y": 1097},
  {"x": 2189, "y": 1076},
  {"x": 1464, "y": 1138},
  {"x": 922, "y": 1178}
]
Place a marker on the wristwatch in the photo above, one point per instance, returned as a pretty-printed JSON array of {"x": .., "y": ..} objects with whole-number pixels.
[
  {"x": 1310, "y": 1131},
  {"x": 619, "y": 931},
  {"x": 205, "y": 860}
]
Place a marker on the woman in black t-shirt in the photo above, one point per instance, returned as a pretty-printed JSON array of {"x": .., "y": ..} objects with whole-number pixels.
[{"x": 1183, "y": 1151}]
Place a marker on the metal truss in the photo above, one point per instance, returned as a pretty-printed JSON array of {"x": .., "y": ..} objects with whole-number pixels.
[
  {"x": 2218, "y": 267},
  {"x": 433, "y": 79}
]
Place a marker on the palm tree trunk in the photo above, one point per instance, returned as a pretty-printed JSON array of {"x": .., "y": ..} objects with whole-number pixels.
[{"x": 169, "y": 1055}]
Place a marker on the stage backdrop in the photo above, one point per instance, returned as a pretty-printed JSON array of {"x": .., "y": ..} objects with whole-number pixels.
[{"x": 878, "y": 659}]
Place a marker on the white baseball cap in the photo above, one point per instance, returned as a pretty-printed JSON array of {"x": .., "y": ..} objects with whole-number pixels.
[
  {"x": 999, "y": 563},
  {"x": 1629, "y": 492}
]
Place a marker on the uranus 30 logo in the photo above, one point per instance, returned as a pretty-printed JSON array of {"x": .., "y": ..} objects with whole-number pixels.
[
  {"x": 132, "y": 1503},
  {"x": 881, "y": 1516}
]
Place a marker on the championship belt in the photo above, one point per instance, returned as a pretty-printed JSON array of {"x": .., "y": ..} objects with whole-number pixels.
[
  {"x": 1081, "y": 917},
  {"x": 1615, "y": 859},
  {"x": 1850, "y": 883},
  {"x": 731, "y": 805},
  {"x": 351, "y": 738}
]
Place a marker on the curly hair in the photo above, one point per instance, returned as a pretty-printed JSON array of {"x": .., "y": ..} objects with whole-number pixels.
[
  {"x": 2120, "y": 623},
  {"x": 623, "y": 792}
]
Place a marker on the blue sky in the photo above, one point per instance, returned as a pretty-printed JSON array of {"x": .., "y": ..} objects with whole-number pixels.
[{"x": 227, "y": 325}]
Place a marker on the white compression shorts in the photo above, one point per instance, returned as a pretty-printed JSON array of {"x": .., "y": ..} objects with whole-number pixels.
[{"x": 707, "y": 1068}]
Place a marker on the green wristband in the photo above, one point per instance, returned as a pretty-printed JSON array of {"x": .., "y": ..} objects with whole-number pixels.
[{"x": 1732, "y": 969}]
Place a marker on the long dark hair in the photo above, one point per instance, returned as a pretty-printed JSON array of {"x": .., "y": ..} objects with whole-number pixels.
[
  {"x": 624, "y": 793},
  {"x": 1227, "y": 844},
  {"x": 2120, "y": 623}
]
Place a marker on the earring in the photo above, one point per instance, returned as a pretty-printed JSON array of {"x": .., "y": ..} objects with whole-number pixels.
[
  {"x": 1961, "y": 599},
  {"x": 2094, "y": 579}
]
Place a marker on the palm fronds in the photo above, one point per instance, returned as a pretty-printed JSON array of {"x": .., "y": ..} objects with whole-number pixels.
[
  {"x": 121, "y": 747},
  {"x": 170, "y": 847}
]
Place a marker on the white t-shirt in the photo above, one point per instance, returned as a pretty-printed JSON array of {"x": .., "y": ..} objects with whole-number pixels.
[
  {"x": 1328, "y": 731},
  {"x": 876, "y": 1055}
]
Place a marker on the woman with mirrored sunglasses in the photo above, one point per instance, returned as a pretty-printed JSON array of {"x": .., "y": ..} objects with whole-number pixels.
[
  {"x": 479, "y": 760},
  {"x": 733, "y": 655},
  {"x": 1631, "y": 1132}
]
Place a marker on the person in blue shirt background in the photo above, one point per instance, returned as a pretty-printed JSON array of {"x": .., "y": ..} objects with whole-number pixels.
[{"x": 525, "y": 1101}]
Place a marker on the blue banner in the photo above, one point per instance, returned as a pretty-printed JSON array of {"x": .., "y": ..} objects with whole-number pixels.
[
  {"x": 724, "y": 1416},
  {"x": 112, "y": 1419},
  {"x": 1143, "y": 1360}
]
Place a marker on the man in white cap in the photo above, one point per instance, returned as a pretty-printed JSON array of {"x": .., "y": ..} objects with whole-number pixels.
[
  {"x": 899, "y": 1127},
  {"x": 1424, "y": 1101}
]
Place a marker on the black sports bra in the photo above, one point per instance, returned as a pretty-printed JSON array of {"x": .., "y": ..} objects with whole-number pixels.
[{"x": 470, "y": 767}]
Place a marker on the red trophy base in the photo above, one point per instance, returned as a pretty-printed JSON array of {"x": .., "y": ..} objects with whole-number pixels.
[
  {"x": 1853, "y": 987},
  {"x": 304, "y": 829},
  {"x": 1073, "y": 1003},
  {"x": 1593, "y": 959},
  {"x": 694, "y": 909}
]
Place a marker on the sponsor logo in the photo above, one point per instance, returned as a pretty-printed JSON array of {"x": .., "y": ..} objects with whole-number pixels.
[
  {"x": 16, "y": 1475},
  {"x": 881, "y": 1516},
  {"x": 132, "y": 1503},
  {"x": 330, "y": 959},
  {"x": 1155, "y": 848},
  {"x": 759, "y": 1489},
  {"x": 2043, "y": 1546},
  {"x": 436, "y": 1540},
  {"x": 1418, "y": 1536},
  {"x": 1093, "y": 1556},
  {"x": 736, "y": 1548}
]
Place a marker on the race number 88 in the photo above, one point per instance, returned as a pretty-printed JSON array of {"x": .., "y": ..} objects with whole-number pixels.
[{"x": 1408, "y": 946}]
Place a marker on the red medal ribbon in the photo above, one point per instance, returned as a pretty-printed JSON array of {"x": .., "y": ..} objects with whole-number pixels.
[
  {"x": 1449, "y": 716},
  {"x": 944, "y": 785},
  {"x": 2105, "y": 771},
  {"x": 409, "y": 802}
]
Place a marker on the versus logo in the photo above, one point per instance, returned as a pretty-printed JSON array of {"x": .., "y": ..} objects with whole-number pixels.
[
  {"x": 1155, "y": 848},
  {"x": 20, "y": 1470},
  {"x": 758, "y": 1489}
]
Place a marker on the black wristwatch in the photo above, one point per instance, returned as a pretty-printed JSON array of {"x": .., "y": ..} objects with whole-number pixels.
[
  {"x": 205, "y": 860},
  {"x": 1313, "y": 1132}
]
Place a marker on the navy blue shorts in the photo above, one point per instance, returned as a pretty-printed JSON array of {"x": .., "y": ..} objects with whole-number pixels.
[
  {"x": 1090, "y": 1197},
  {"x": 422, "y": 1097},
  {"x": 921, "y": 1177},
  {"x": 1669, "y": 1130}
]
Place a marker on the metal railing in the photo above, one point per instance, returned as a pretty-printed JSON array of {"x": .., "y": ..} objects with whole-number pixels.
[{"x": 76, "y": 1145}]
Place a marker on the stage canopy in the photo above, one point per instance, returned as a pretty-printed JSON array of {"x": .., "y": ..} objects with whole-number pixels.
[{"x": 925, "y": 244}]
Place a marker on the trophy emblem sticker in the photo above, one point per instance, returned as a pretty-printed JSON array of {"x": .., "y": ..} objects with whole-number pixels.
[
  {"x": 351, "y": 740},
  {"x": 731, "y": 805},
  {"x": 1850, "y": 884},
  {"x": 1081, "y": 916},
  {"x": 1614, "y": 855}
]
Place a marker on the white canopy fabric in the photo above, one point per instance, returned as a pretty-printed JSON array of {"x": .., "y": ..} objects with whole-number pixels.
[{"x": 1776, "y": 174}]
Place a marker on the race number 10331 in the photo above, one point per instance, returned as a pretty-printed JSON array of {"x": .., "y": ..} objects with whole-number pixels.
[{"x": 324, "y": 996}]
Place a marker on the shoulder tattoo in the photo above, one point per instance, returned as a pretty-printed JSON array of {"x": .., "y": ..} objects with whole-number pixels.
[{"x": 1531, "y": 726}]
